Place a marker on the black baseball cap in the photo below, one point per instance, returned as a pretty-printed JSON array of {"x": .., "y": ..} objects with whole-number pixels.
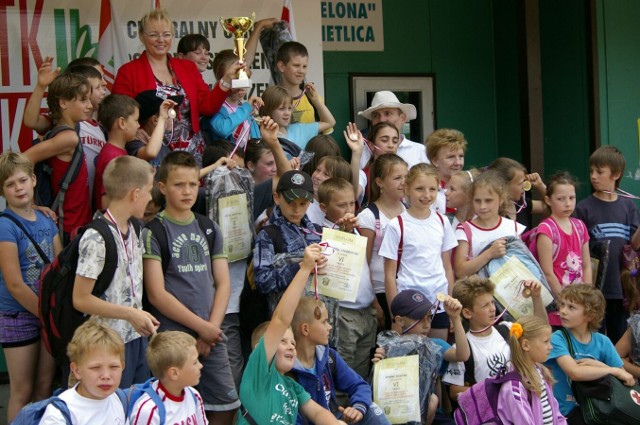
[{"x": 295, "y": 184}]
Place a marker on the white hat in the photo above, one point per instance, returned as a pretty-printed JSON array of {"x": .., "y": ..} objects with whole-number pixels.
[{"x": 386, "y": 99}]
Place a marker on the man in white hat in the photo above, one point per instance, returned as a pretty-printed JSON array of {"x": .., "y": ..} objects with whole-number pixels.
[{"x": 385, "y": 107}]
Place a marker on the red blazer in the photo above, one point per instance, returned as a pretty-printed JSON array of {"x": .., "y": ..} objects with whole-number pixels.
[{"x": 136, "y": 76}]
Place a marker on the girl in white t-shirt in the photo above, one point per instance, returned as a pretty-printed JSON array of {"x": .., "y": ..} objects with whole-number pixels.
[
  {"x": 488, "y": 227},
  {"x": 388, "y": 175},
  {"x": 425, "y": 239}
]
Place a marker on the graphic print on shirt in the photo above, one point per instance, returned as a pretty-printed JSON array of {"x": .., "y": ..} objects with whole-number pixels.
[{"x": 188, "y": 250}]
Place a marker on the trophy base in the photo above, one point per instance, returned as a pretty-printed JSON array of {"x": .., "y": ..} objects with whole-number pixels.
[{"x": 241, "y": 83}]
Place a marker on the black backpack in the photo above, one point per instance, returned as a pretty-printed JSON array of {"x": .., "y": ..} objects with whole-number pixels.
[
  {"x": 44, "y": 188},
  {"x": 58, "y": 317}
]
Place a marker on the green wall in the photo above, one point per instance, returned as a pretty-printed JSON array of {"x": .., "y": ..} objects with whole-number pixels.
[
  {"x": 566, "y": 85},
  {"x": 451, "y": 38},
  {"x": 619, "y": 72},
  {"x": 473, "y": 47}
]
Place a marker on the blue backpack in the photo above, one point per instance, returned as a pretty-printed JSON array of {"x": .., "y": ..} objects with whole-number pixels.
[
  {"x": 138, "y": 390},
  {"x": 32, "y": 413}
]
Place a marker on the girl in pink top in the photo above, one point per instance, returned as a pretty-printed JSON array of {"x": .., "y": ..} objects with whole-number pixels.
[{"x": 563, "y": 241}]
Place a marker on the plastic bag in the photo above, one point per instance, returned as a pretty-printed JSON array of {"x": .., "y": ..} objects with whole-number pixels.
[
  {"x": 430, "y": 358},
  {"x": 517, "y": 248},
  {"x": 229, "y": 195},
  {"x": 271, "y": 39},
  {"x": 599, "y": 251}
]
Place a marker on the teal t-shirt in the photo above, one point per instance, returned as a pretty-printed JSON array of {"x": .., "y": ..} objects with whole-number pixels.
[{"x": 268, "y": 396}]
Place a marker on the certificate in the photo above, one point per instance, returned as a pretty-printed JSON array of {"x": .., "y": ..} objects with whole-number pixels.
[
  {"x": 396, "y": 388},
  {"x": 233, "y": 218},
  {"x": 346, "y": 254},
  {"x": 509, "y": 290}
]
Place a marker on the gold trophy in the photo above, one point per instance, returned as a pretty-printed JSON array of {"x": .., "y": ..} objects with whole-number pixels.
[{"x": 238, "y": 27}]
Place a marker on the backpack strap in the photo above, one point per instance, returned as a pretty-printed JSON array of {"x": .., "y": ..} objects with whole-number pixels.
[
  {"x": 69, "y": 175},
  {"x": 157, "y": 229},
  {"x": 567, "y": 337},
  {"x": 245, "y": 414},
  {"x": 147, "y": 389},
  {"x": 276, "y": 237},
  {"x": 122, "y": 396},
  {"x": 440, "y": 217},
  {"x": 503, "y": 330},
  {"x": 378, "y": 228},
  {"x": 466, "y": 228},
  {"x": 110, "y": 258},
  {"x": 62, "y": 407},
  {"x": 400, "y": 244},
  {"x": 208, "y": 228},
  {"x": 15, "y": 221}
]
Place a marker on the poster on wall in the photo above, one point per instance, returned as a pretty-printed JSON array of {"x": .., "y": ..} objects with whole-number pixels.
[
  {"x": 352, "y": 25},
  {"x": 30, "y": 30}
]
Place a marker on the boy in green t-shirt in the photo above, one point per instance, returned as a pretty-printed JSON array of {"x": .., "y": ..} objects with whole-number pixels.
[{"x": 267, "y": 395}]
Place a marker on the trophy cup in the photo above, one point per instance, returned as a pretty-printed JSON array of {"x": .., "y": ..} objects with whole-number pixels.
[{"x": 238, "y": 27}]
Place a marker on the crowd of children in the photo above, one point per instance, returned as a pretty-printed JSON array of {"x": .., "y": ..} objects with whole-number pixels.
[{"x": 174, "y": 309}]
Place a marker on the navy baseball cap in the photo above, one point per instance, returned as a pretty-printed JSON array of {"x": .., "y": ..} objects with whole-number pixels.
[{"x": 410, "y": 303}]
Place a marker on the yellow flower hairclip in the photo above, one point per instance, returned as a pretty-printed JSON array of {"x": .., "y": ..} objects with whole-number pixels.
[{"x": 516, "y": 330}]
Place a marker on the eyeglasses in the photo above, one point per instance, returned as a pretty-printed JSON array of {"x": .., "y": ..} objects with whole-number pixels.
[{"x": 156, "y": 36}]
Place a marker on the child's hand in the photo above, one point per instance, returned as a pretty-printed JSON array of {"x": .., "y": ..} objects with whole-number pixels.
[
  {"x": 379, "y": 354},
  {"x": 453, "y": 307},
  {"x": 269, "y": 130},
  {"x": 348, "y": 222},
  {"x": 210, "y": 333},
  {"x": 313, "y": 256},
  {"x": 144, "y": 323},
  {"x": 256, "y": 102},
  {"x": 165, "y": 107},
  {"x": 232, "y": 73},
  {"x": 624, "y": 376},
  {"x": 295, "y": 163},
  {"x": 535, "y": 180},
  {"x": 531, "y": 288},
  {"x": 350, "y": 414},
  {"x": 203, "y": 348},
  {"x": 230, "y": 163},
  {"x": 311, "y": 92},
  {"x": 498, "y": 248},
  {"x": 47, "y": 211},
  {"x": 46, "y": 74},
  {"x": 354, "y": 138}
]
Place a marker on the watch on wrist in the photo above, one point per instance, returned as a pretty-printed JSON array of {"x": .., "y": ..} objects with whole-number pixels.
[{"x": 224, "y": 84}]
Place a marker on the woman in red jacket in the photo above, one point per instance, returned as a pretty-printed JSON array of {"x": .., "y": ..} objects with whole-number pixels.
[{"x": 157, "y": 70}]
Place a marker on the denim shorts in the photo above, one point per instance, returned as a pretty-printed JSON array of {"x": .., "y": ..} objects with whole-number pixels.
[{"x": 18, "y": 329}]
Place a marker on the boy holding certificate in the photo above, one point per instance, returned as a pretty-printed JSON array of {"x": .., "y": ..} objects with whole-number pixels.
[
  {"x": 356, "y": 321},
  {"x": 321, "y": 371},
  {"x": 487, "y": 339},
  {"x": 412, "y": 313}
]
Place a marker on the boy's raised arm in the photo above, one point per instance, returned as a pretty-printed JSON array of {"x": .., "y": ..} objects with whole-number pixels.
[
  {"x": 269, "y": 133},
  {"x": 32, "y": 117},
  {"x": 326, "y": 120},
  {"x": 462, "y": 351},
  {"x": 283, "y": 314},
  {"x": 61, "y": 143},
  {"x": 151, "y": 150}
]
